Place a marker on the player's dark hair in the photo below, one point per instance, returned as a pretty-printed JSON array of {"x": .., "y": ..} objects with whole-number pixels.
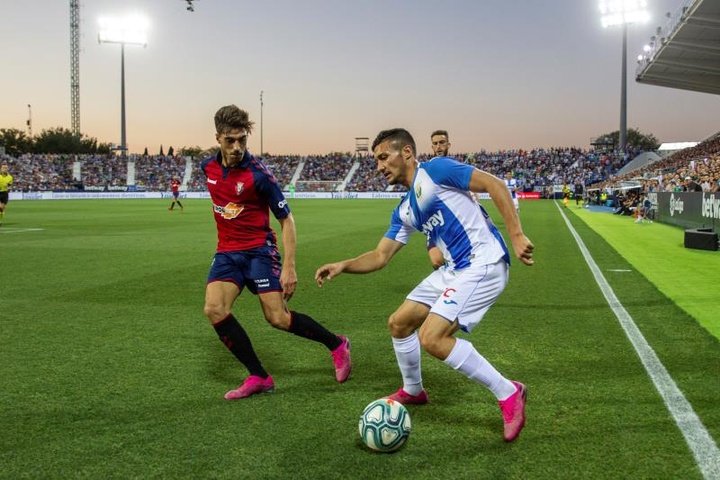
[
  {"x": 440, "y": 132},
  {"x": 231, "y": 117},
  {"x": 399, "y": 136}
]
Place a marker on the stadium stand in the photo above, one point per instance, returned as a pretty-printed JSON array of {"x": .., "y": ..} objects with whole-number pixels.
[{"x": 534, "y": 169}]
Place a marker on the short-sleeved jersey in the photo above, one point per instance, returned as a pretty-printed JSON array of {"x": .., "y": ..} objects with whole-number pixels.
[
  {"x": 440, "y": 205},
  {"x": 512, "y": 186},
  {"x": 175, "y": 186},
  {"x": 5, "y": 182},
  {"x": 242, "y": 197}
]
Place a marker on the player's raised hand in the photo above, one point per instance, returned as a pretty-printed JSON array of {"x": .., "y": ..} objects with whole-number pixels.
[
  {"x": 327, "y": 272},
  {"x": 523, "y": 248}
]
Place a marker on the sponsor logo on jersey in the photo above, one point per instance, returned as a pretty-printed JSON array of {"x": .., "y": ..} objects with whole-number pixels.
[
  {"x": 229, "y": 211},
  {"x": 211, "y": 181},
  {"x": 446, "y": 294},
  {"x": 435, "y": 220},
  {"x": 239, "y": 187}
]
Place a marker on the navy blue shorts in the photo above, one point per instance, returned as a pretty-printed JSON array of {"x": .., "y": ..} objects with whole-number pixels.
[
  {"x": 176, "y": 195},
  {"x": 257, "y": 269}
]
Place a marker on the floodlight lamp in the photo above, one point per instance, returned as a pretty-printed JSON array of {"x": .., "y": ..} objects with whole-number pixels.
[
  {"x": 647, "y": 48},
  {"x": 640, "y": 58},
  {"x": 130, "y": 29},
  {"x": 619, "y": 12}
]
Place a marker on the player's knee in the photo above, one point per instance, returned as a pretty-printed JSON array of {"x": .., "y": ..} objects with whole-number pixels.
[
  {"x": 398, "y": 328},
  {"x": 215, "y": 312},
  {"x": 430, "y": 342},
  {"x": 279, "y": 320}
]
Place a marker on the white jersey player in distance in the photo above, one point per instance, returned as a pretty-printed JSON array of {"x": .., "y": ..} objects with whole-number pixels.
[
  {"x": 439, "y": 203},
  {"x": 512, "y": 186}
]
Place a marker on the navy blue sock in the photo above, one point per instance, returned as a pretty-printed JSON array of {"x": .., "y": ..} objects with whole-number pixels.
[
  {"x": 304, "y": 326},
  {"x": 237, "y": 341}
]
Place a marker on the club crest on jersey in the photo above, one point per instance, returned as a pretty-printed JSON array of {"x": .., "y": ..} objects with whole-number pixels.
[
  {"x": 229, "y": 211},
  {"x": 239, "y": 187},
  {"x": 418, "y": 191}
]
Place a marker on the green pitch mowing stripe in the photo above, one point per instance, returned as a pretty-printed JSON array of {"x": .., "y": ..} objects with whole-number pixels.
[
  {"x": 690, "y": 278},
  {"x": 696, "y": 435}
]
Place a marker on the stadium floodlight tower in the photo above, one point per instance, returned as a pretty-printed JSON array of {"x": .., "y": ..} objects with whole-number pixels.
[
  {"x": 127, "y": 30},
  {"x": 622, "y": 13}
]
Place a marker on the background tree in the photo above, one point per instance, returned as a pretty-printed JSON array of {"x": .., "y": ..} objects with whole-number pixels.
[
  {"x": 145, "y": 153},
  {"x": 635, "y": 138},
  {"x": 171, "y": 151},
  {"x": 192, "y": 152},
  {"x": 104, "y": 148},
  {"x": 16, "y": 141},
  {"x": 161, "y": 151},
  {"x": 57, "y": 140},
  {"x": 62, "y": 140}
]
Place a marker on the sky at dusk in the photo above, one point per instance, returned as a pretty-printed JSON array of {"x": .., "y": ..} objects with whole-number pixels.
[{"x": 497, "y": 74}]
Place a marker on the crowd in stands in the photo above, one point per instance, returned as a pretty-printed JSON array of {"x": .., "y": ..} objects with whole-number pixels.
[
  {"x": 103, "y": 170},
  {"x": 696, "y": 168},
  {"x": 692, "y": 169},
  {"x": 154, "y": 173},
  {"x": 367, "y": 178},
  {"x": 40, "y": 172}
]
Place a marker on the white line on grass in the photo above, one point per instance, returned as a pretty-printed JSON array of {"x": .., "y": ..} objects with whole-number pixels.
[
  {"x": 20, "y": 230},
  {"x": 696, "y": 435}
]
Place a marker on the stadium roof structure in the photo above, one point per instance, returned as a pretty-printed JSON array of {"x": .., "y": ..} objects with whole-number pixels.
[{"x": 686, "y": 55}]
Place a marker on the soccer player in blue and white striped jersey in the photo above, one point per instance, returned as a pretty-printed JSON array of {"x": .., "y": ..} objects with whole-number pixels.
[
  {"x": 512, "y": 186},
  {"x": 439, "y": 203}
]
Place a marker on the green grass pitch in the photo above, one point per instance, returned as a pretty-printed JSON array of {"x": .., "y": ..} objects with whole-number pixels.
[{"x": 108, "y": 368}]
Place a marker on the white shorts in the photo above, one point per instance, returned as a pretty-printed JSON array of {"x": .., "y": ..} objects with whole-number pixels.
[
  {"x": 516, "y": 203},
  {"x": 465, "y": 295}
]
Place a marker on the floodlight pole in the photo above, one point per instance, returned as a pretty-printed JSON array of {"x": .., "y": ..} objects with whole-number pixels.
[
  {"x": 29, "y": 120},
  {"x": 123, "y": 136},
  {"x": 622, "y": 12},
  {"x": 122, "y": 32},
  {"x": 623, "y": 94}
]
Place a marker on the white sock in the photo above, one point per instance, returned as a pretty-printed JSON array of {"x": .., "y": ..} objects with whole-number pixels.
[
  {"x": 407, "y": 353},
  {"x": 467, "y": 360}
]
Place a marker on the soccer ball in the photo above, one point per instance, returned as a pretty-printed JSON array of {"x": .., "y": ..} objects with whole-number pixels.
[{"x": 385, "y": 425}]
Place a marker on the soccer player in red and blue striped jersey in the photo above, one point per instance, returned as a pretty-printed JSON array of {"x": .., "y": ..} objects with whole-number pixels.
[
  {"x": 175, "y": 188},
  {"x": 243, "y": 192}
]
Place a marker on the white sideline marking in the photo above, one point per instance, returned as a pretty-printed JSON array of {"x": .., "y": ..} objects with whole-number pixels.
[
  {"x": 618, "y": 270},
  {"x": 19, "y": 230},
  {"x": 702, "y": 445}
]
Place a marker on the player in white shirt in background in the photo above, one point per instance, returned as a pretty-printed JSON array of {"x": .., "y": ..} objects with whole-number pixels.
[
  {"x": 456, "y": 296},
  {"x": 440, "y": 143},
  {"x": 512, "y": 186}
]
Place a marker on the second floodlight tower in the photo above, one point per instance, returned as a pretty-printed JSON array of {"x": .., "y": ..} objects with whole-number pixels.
[
  {"x": 622, "y": 13},
  {"x": 125, "y": 30}
]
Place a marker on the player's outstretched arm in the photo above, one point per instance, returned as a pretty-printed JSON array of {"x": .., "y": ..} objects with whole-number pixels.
[
  {"x": 367, "y": 262},
  {"x": 484, "y": 182}
]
